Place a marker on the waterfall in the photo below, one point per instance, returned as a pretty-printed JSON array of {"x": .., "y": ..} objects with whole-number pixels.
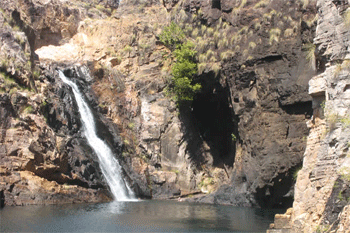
[{"x": 110, "y": 167}]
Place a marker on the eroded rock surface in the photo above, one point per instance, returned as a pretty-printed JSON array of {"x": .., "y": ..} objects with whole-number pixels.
[
  {"x": 322, "y": 189},
  {"x": 244, "y": 134}
]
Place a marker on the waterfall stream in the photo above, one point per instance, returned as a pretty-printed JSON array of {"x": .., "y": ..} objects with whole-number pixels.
[{"x": 110, "y": 167}]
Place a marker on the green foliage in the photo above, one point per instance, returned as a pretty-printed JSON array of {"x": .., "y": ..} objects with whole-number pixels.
[
  {"x": 36, "y": 74},
  {"x": 183, "y": 71},
  {"x": 131, "y": 125},
  {"x": 204, "y": 183},
  {"x": 233, "y": 137},
  {"x": 172, "y": 35},
  {"x": 340, "y": 196},
  {"x": 184, "y": 68},
  {"x": 322, "y": 228},
  {"x": 28, "y": 110}
]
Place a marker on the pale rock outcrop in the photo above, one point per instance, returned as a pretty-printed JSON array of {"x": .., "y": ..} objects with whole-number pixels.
[{"x": 322, "y": 190}]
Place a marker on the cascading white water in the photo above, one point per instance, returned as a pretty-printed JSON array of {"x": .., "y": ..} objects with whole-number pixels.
[{"x": 109, "y": 165}]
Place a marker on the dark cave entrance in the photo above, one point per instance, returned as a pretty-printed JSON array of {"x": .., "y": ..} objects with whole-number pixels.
[
  {"x": 215, "y": 120},
  {"x": 280, "y": 194}
]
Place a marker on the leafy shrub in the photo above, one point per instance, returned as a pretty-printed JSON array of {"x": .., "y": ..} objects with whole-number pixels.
[
  {"x": 183, "y": 71},
  {"x": 172, "y": 35},
  {"x": 185, "y": 66}
]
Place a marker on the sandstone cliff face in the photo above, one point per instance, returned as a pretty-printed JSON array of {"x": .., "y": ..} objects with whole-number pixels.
[
  {"x": 324, "y": 176},
  {"x": 322, "y": 189},
  {"x": 43, "y": 159},
  {"x": 265, "y": 82},
  {"x": 244, "y": 132},
  {"x": 258, "y": 91}
]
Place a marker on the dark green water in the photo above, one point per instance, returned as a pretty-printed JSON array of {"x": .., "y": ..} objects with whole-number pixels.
[{"x": 143, "y": 216}]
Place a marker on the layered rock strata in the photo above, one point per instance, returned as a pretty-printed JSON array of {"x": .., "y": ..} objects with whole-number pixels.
[
  {"x": 245, "y": 131},
  {"x": 322, "y": 189}
]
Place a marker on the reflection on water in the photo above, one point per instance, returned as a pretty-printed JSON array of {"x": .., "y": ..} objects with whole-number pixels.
[{"x": 144, "y": 216}]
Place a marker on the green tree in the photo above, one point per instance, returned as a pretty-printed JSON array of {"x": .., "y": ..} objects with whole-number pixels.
[
  {"x": 183, "y": 72},
  {"x": 172, "y": 35},
  {"x": 184, "y": 68}
]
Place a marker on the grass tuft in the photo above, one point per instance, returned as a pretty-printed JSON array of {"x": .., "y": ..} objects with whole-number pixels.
[
  {"x": 274, "y": 35},
  {"x": 310, "y": 55},
  {"x": 261, "y": 4}
]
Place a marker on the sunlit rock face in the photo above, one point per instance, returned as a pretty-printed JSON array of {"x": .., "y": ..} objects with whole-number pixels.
[
  {"x": 322, "y": 189},
  {"x": 323, "y": 185},
  {"x": 266, "y": 84},
  {"x": 240, "y": 140}
]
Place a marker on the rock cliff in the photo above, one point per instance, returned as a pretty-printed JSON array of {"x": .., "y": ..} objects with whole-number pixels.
[
  {"x": 242, "y": 139},
  {"x": 322, "y": 189},
  {"x": 243, "y": 135},
  {"x": 43, "y": 157},
  {"x": 261, "y": 87}
]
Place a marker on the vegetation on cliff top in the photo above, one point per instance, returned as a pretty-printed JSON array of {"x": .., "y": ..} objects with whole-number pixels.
[{"x": 185, "y": 66}]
